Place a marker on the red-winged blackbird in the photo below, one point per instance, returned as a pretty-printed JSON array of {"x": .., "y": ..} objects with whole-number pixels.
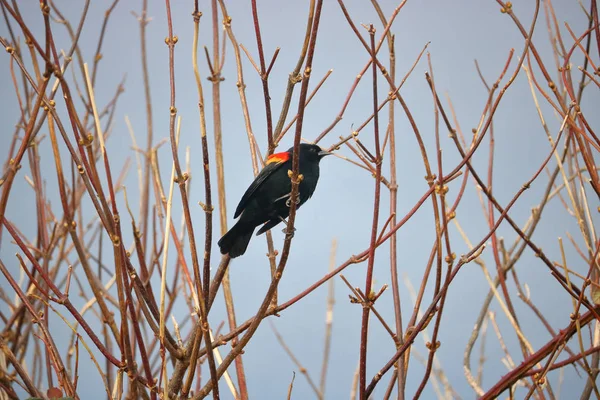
[{"x": 267, "y": 200}]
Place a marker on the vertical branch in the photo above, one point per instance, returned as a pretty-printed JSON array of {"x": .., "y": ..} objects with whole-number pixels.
[
  {"x": 401, "y": 375},
  {"x": 491, "y": 218},
  {"x": 145, "y": 195},
  {"x": 98, "y": 55},
  {"x": 328, "y": 321},
  {"x": 181, "y": 179},
  {"x": 207, "y": 206},
  {"x": 294, "y": 173},
  {"x": 441, "y": 224},
  {"x": 369, "y": 294},
  {"x": 165, "y": 254},
  {"x": 241, "y": 87},
  {"x": 116, "y": 237},
  {"x": 216, "y": 80},
  {"x": 294, "y": 76},
  {"x": 264, "y": 78},
  {"x": 15, "y": 163},
  {"x": 294, "y": 176}
]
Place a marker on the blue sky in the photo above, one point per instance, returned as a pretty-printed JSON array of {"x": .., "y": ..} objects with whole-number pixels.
[{"x": 458, "y": 33}]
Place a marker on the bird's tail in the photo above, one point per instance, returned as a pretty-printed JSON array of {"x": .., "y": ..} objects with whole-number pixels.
[{"x": 235, "y": 241}]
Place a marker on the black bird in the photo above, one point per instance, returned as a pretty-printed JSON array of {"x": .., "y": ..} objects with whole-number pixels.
[{"x": 267, "y": 200}]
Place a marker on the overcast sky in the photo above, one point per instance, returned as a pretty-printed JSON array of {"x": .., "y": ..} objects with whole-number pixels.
[{"x": 341, "y": 208}]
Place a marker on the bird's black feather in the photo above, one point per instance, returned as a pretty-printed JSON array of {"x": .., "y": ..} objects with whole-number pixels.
[{"x": 267, "y": 199}]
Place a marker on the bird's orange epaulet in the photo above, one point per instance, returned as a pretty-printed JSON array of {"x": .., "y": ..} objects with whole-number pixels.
[{"x": 278, "y": 158}]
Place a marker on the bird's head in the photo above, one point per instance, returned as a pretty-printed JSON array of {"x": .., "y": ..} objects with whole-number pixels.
[{"x": 310, "y": 151}]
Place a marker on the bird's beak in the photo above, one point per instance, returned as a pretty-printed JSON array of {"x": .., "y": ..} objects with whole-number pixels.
[{"x": 324, "y": 153}]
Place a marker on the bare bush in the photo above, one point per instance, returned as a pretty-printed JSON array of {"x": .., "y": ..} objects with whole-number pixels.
[{"x": 482, "y": 278}]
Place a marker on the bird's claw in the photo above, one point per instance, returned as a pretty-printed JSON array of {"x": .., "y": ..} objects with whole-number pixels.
[{"x": 290, "y": 234}]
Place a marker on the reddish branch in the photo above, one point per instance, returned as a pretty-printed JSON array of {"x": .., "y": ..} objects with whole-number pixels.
[{"x": 377, "y": 198}]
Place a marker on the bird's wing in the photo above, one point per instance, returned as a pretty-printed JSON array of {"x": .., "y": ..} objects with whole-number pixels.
[{"x": 274, "y": 162}]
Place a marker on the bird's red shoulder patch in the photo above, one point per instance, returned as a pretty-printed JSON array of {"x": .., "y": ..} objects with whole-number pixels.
[{"x": 278, "y": 158}]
